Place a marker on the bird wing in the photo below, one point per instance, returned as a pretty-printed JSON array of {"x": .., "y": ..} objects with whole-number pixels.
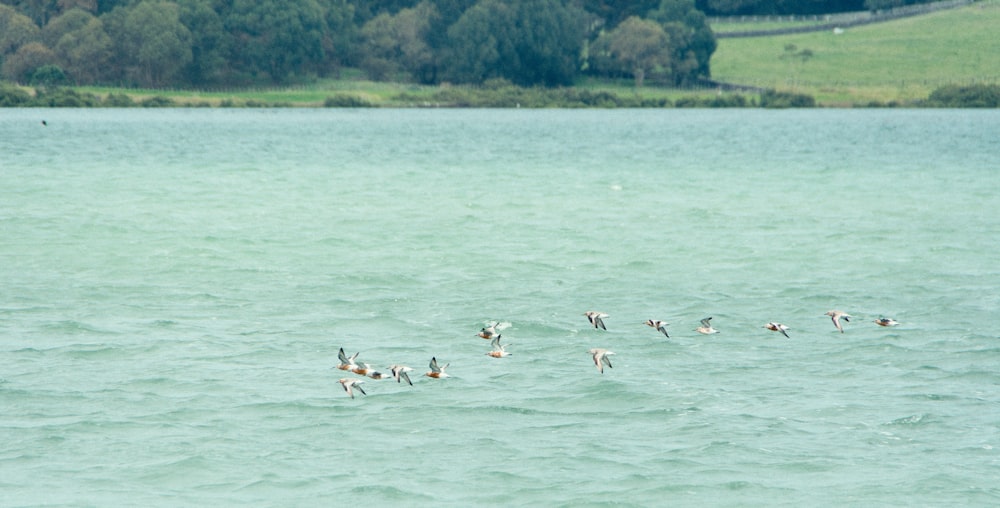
[{"x": 606, "y": 360}]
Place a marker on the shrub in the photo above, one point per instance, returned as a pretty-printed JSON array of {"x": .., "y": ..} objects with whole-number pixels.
[
  {"x": 63, "y": 98},
  {"x": 118, "y": 100},
  {"x": 776, "y": 99},
  {"x": 48, "y": 75},
  {"x": 12, "y": 96},
  {"x": 343, "y": 100},
  {"x": 970, "y": 96},
  {"x": 158, "y": 101}
]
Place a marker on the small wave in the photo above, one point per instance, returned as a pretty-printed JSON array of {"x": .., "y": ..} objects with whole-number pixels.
[
  {"x": 512, "y": 409},
  {"x": 389, "y": 493},
  {"x": 74, "y": 327},
  {"x": 28, "y": 350},
  {"x": 90, "y": 351},
  {"x": 934, "y": 396},
  {"x": 918, "y": 419}
]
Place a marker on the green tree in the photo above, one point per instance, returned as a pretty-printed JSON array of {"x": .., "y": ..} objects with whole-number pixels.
[
  {"x": 151, "y": 42},
  {"x": 613, "y": 12},
  {"x": 727, "y": 7},
  {"x": 85, "y": 5},
  {"x": 393, "y": 43},
  {"x": 691, "y": 39},
  {"x": 85, "y": 52},
  {"x": 529, "y": 42},
  {"x": 276, "y": 40},
  {"x": 636, "y": 46},
  {"x": 38, "y": 10},
  {"x": 16, "y": 30},
  {"x": 48, "y": 75},
  {"x": 209, "y": 42},
  {"x": 20, "y": 66},
  {"x": 341, "y": 33},
  {"x": 73, "y": 19},
  {"x": 874, "y": 5}
]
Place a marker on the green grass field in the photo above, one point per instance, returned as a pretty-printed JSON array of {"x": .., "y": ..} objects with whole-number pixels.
[{"x": 902, "y": 60}]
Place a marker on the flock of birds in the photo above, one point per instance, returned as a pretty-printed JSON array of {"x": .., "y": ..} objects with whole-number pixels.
[{"x": 601, "y": 356}]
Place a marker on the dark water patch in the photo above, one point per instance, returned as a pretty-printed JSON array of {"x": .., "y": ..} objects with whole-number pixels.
[
  {"x": 30, "y": 351},
  {"x": 509, "y": 410},
  {"x": 976, "y": 373},
  {"x": 934, "y": 397},
  {"x": 73, "y": 327},
  {"x": 93, "y": 352}
]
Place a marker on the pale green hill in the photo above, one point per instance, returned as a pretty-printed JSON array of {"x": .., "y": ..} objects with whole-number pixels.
[{"x": 901, "y": 60}]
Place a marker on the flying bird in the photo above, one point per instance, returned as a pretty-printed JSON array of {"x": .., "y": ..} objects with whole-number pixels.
[
  {"x": 436, "y": 370},
  {"x": 498, "y": 348},
  {"x": 660, "y": 326},
  {"x": 350, "y": 384},
  {"x": 345, "y": 362},
  {"x": 836, "y": 316},
  {"x": 706, "y": 327},
  {"x": 601, "y": 358},
  {"x": 777, "y": 327},
  {"x": 400, "y": 372},
  {"x": 488, "y": 332},
  {"x": 884, "y": 321},
  {"x": 596, "y": 318},
  {"x": 361, "y": 370},
  {"x": 374, "y": 374}
]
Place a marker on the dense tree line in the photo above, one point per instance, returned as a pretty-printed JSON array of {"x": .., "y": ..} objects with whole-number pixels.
[
  {"x": 235, "y": 42},
  {"x": 187, "y": 43}
]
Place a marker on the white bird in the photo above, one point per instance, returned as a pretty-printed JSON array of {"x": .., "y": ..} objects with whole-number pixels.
[
  {"x": 884, "y": 321},
  {"x": 345, "y": 362},
  {"x": 706, "y": 327},
  {"x": 777, "y": 327},
  {"x": 437, "y": 371},
  {"x": 596, "y": 318},
  {"x": 836, "y": 316},
  {"x": 362, "y": 370},
  {"x": 400, "y": 372},
  {"x": 488, "y": 332},
  {"x": 374, "y": 374},
  {"x": 498, "y": 348},
  {"x": 601, "y": 358},
  {"x": 660, "y": 326},
  {"x": 350, "y": 384}
]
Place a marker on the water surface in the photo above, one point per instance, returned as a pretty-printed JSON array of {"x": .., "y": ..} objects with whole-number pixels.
[{"x": 177, "y": 283}]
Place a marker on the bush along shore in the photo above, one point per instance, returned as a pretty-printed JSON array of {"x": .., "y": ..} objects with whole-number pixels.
[{"x": 508, "y": 96}]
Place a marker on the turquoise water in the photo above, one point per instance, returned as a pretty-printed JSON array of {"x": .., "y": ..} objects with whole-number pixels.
[{"x": 176, "y": 285}]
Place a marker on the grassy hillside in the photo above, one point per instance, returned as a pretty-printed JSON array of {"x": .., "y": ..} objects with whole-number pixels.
[{"x": 901, "y": 60}]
